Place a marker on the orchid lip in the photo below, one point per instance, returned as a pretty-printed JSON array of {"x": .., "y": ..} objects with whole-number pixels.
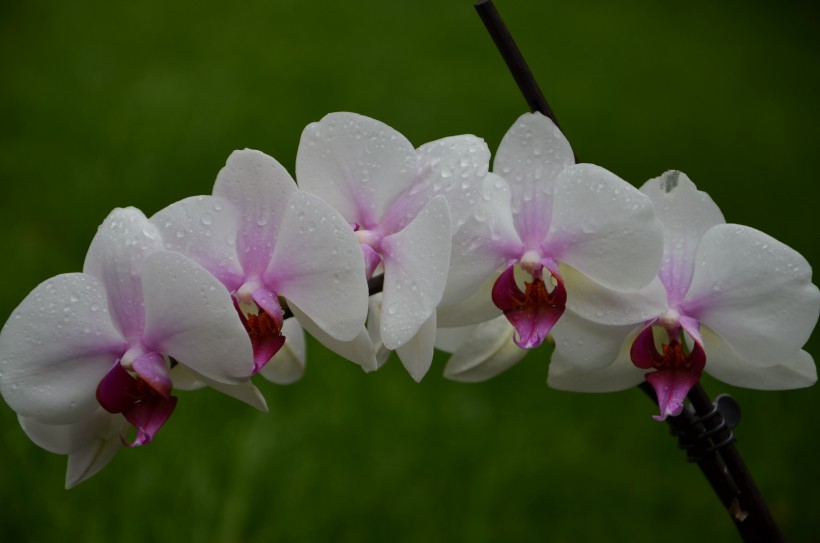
[
  {"x": 262, "y": 319},
  {"x": 534, "y": 311},
  {"x": 676, "y": 370},
  {"x": 144, "y": 397}
]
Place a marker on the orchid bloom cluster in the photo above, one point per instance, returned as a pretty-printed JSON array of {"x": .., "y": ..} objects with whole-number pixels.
[{"x": 629, "y": 284}]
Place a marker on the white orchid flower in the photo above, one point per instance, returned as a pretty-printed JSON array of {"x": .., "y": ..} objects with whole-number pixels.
[
  {"x": 108, "y": 337},
  {"x": 265, "y": 239},
  {"x": 729, "y": 300},
  {"x": 396, "y": 199},
  {"x": 543, "y": 219}
]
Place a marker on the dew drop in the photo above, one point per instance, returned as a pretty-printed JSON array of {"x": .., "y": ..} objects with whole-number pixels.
[{"x": 207, "y": 219}]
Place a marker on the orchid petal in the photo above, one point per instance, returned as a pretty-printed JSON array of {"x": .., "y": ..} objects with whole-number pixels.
[
  {"x": 55, "y": 348},
  {"x": 357, "y": 164},
  {"x": 685, "y": 214},
  {"x": 206, "y": 229},
  {"x": 620, "y": 374},
  {"x": 372, "y": 259},
  {"x": 605, "y": 228},
  {"x": 531, "y": 155},
  {"x": 476, "y": 308},
  {"x": 260, "y": 188},
  {"x": 191, "y": 317},
  {"x": 755, "y": 292},
  {"x": 359, "y": 350},
  {"x": 245, "y": 392},
  {"x": 288, "y": 365},
  {"x": 115, "y": 257},
  {"x": 90, "y": 443},
  {"x": 318, "y": 267},
  {"x": 599, "y": 304},
  {"x": 187, "y": 379},
  {"x": 451, "y": 338},
  {"x": 484, "y": 243},
  {"x": 589, "y": 345},
  {"x": 374, "y": 326},
  {"x": 416, "y": 261},
  {"x": 453, "y": 167},
  {"x": 416, "y": 355},
  {"x": 722, "y": 363},
  {"x": 488, "y": 351}
]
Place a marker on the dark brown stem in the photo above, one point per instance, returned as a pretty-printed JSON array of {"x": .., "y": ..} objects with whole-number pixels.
[
  {"x": 514, "y": 59},
  {"x": 748, "y": 509}
]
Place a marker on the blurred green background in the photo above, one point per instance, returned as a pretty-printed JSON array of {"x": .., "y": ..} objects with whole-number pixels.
[{"x": 106, "y": 104}]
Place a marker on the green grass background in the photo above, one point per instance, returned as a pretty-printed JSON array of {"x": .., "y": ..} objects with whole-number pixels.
[{"x": 106, "y": 104}]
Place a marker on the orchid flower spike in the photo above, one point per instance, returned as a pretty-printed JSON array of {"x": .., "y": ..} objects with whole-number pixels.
[
  {"x": 395, "y": 198},
  {"x": 85, "y": 355},
  {"x": 267, "y": 241},
  {"x": 542, "y": 222},
  {"x": 728, "y": 300}
]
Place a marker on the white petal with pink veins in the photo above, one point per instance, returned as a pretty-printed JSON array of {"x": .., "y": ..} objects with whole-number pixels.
[
  {"x": 318, "y": 267},
  {"x": 484, "y": 243},
  {"x": 115, "y": 257},
  {"x": 686, "y": 214},
  {"x": 56, "y": 347},
  {"x": 753, "y": 291},
  {"x": 206, "y": 228},
  {"x": 453, "y": 167},
  {"x": 531, "y": 155},
  {"x": 605, "y": 228},
  {"x": 260, "y": 188},
  {"x": 190, "y": 316},
  {"x": 357, "y": 164},
  {"x": 416, "y": 261}
]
